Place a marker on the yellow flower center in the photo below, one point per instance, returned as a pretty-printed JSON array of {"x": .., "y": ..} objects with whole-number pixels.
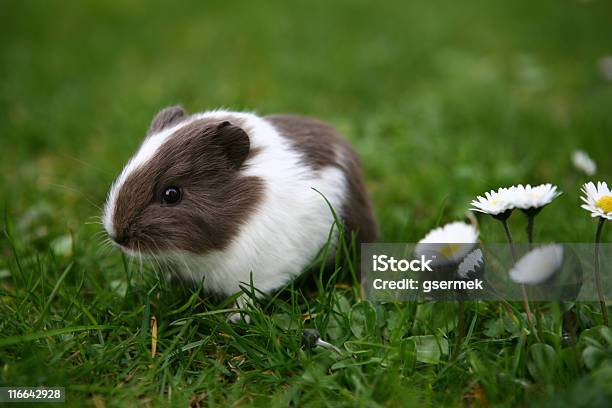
[
  {"x": 605, "y": 203},
  {"x": 449, "y": 250}
]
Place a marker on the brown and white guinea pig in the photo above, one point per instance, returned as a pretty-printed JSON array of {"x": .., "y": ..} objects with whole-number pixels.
[{"x": 221, "y": 195}]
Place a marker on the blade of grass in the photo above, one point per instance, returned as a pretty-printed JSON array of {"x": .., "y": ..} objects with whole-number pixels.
[
  {"x": 8, "y": 341},
  {"x": 43, "y": 314}
]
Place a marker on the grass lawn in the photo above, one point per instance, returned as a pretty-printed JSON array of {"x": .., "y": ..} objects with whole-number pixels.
[{"x": 443, "y": 101}]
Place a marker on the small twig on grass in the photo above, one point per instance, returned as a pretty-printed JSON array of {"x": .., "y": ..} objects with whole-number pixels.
[{"x": 153, "y": 336}]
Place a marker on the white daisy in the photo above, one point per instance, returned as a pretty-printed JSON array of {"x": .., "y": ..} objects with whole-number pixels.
[
  {"x": 470, "y": 264},
  {"x": 582, "y": 161},
  {"x": 494, "y": 202},
  {"x": 449, "y": 244},
  {"x": 527, "y": 197},
  {"x": 537, "y": 265},
  {"x": 598, "y": 200}
]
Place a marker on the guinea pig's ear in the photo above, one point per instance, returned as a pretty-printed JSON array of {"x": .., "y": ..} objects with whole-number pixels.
[
  {"x": 166, "y": 117},
  {"x": 234, "y": 141}
]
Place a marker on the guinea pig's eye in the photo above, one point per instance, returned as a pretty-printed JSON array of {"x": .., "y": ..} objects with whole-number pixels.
[{"x": 171, "y": 195}]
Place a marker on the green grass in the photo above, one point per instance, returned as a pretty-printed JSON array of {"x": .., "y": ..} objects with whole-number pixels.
[{"x": 443, "y": 101}]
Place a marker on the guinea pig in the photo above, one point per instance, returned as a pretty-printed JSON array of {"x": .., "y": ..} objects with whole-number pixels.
[{"x": 223, "y": 196}]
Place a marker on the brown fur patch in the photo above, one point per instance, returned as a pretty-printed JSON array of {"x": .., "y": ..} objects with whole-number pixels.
[
  {"x": 203, "y": 160},
  {"x": 166, "y": 117},
  {"x": 321, "y": 146}
]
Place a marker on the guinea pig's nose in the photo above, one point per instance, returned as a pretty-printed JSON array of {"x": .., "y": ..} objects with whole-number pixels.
[{"x": 120, "y": 239}]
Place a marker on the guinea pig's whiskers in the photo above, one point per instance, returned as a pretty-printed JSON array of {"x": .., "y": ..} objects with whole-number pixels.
[
  {"x": 165, "y": 268},
  {"x": 182, "y": 258},
  {"x": 103, "y": 251},
  {"x": 139, "y": 259},
  {"x": 160, "y": 268},
  {"x": 159, "y": 272},
  {"x": 76, "y": 190},
  {"x": 105, "y": 246},
  {"x": 160, "y": 261},
  {"x": 130, "y": 263},
  {"x": 97, "y": 219},
  {"x": 103, "y": 241},
  {"x": 84, "y": 163},
  {"x": 99, "y": 235},
  {"x": 153, "y": 257}
]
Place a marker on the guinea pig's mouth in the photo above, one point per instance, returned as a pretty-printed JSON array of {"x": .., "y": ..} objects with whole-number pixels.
[
  {"x": 133, "y": 252},
  {"x": 124, "y": 243},
  {"x": 121, "y": 240},
  {"x": 131, "y": 246}
]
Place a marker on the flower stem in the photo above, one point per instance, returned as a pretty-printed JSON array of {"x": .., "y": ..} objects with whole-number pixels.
[
  {"x": 530, "y": 221},
  {"x": 526, "y": 304},
  {"x": 602, "y": 300},
  {"x": 460, "y": 329},
  {"x": 509, "y": 236},
  {"x": 514, "y": 257}
]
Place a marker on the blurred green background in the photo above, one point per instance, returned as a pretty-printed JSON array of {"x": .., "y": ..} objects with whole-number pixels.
[{"x": 443, "y": 100}]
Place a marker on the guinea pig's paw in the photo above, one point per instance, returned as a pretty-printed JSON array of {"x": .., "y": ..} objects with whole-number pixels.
[{"x": 239, "y": 316}]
